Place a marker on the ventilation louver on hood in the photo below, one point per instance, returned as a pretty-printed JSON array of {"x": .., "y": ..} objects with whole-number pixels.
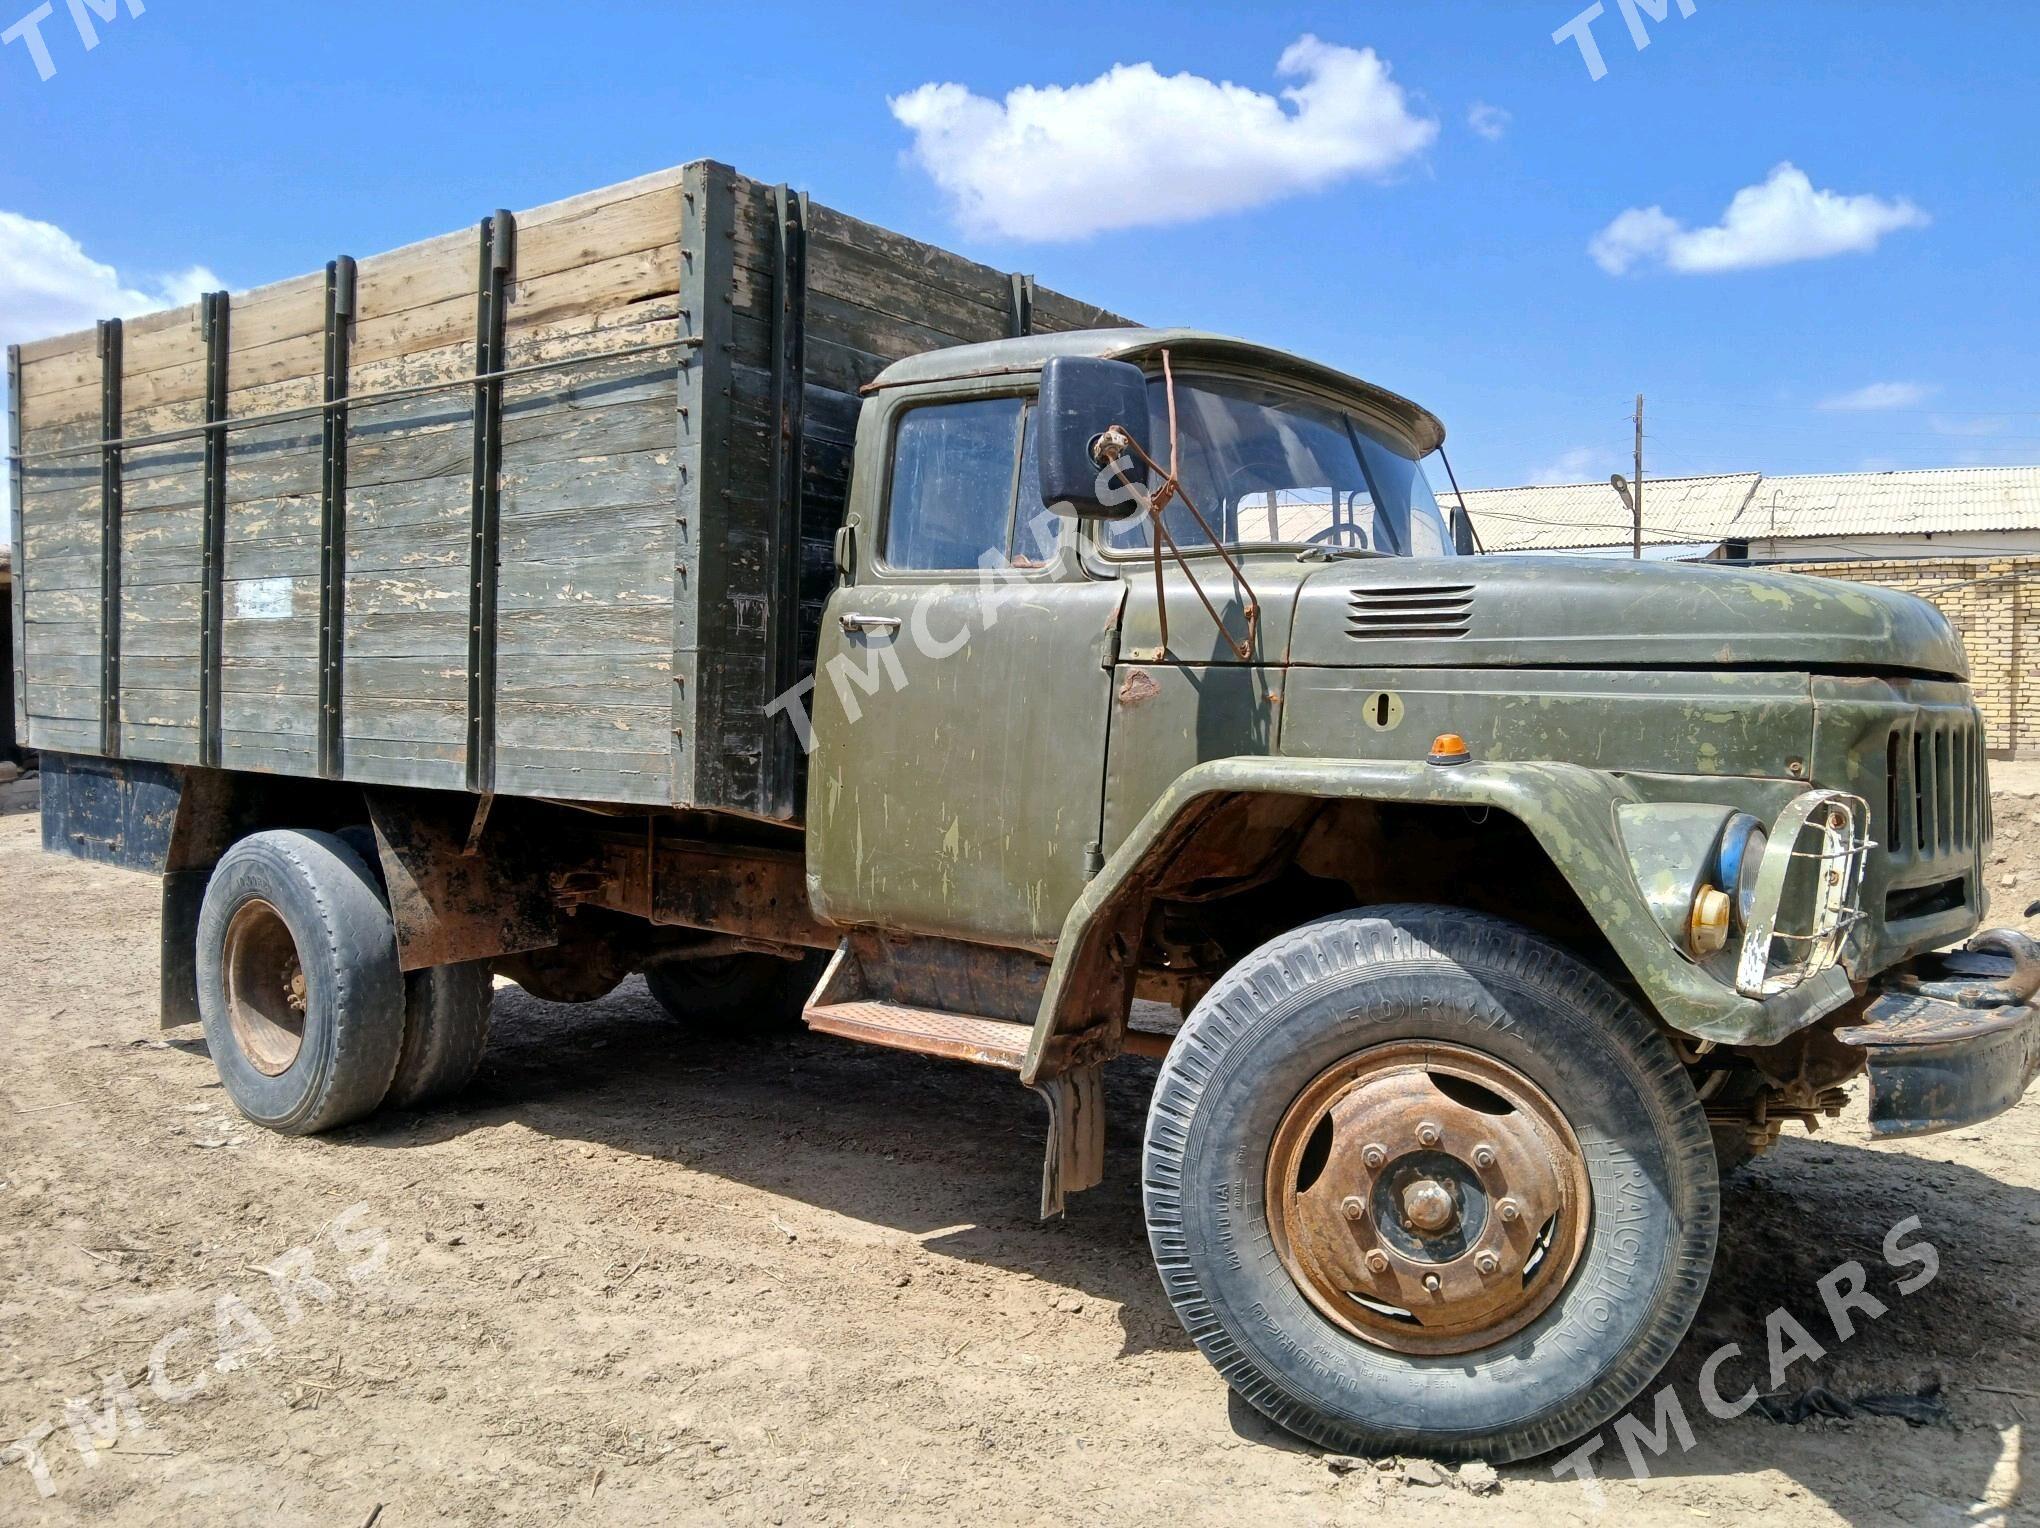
[{"x": 1417, "y": 610}]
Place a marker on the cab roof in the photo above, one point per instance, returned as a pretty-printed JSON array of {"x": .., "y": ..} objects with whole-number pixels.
[{"x": 1029, "y": 352}]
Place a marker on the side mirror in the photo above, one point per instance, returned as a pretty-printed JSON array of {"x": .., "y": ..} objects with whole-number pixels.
[
  {"x": 1082, "y": 398},
  {"x": 1463, "y": 541}
]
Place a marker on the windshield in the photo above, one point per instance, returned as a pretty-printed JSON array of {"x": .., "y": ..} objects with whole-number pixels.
[{"x": 1272, "y": 468}]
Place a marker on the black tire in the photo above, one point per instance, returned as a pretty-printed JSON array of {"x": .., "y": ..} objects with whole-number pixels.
[
  {"x": 1317, "y": 995},
  {"x": 446, "y": 1011},
  {"x": 308, "y": 898},
  {"x": 446, "y": 1029},
  {"x": 735, "y": 994}
]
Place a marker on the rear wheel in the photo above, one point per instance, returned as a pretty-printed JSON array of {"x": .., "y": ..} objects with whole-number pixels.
[
  {"x": 299, "y": 989},
  {"x": 1371, "y": 1198},
  {"x": 733, "y": 994},
  {"x": 446, "y": 1011},
  {"x": 446, "y": 1028}
]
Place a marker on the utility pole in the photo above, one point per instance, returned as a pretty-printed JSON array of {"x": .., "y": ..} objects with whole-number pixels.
[
  {"x": 1632, "y": 493},
  {"x": 1636, "y": 499}
]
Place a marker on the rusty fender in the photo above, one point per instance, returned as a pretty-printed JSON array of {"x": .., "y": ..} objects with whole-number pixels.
[{"x": 1568, "y": 809}]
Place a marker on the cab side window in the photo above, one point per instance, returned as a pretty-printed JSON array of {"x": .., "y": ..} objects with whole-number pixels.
[{"x": 955, "y": 472}]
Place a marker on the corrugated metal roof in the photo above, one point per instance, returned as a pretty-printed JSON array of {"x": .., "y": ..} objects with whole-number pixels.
[
  {"x": 1930, "y": 500},
  {"x": 1675, "y": 510},
  {"x": 1749, "y": 506}
]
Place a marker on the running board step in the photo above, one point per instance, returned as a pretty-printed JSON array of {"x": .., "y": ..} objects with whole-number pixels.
[
  {"x": 959, "y": 1036},
  {"x": 862, "y": 996}
]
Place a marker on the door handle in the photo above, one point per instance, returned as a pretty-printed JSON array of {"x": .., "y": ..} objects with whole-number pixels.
[{"x": 885, "y": 623}]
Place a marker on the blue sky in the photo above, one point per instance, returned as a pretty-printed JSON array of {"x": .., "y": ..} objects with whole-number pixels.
[{"x": 1391, "y": 237}]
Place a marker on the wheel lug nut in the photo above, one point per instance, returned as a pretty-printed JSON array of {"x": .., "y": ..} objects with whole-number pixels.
[
  {"x": 1510, "y": 1210},
  {"x": 1487, "y": 1262},
  {"x": 1483, "y": 1156},
  {"x": 1377, "y": 1262},
  {"x": 1429, "y": 1134},
  {"x": 1374, "y": 1156},
  {"x": 1353, "y": 1207}
]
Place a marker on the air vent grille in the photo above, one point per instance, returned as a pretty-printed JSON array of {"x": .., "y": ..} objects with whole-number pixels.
[{"x": 1415, "y": 610}]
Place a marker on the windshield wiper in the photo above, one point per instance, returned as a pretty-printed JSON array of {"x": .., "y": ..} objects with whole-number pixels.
[{"x": 1334, "y": 553}]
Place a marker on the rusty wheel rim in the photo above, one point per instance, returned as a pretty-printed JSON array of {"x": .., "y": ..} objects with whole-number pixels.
[
  {"x": 266, "y": 992},
  {"x": 1427, "y": 1198}
]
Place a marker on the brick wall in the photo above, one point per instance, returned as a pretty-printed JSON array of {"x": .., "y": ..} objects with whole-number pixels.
[{"x": 1995, "y": 603}]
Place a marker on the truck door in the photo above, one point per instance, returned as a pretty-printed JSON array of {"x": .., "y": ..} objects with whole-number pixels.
[{"x": 963, "y": 686}]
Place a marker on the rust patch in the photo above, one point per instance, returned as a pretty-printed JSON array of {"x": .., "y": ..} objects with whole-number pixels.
[{"x": 1140, "y": 686}]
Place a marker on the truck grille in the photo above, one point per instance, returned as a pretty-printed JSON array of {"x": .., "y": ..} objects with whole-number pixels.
[
  {"x": 1937, "y": 789},
  {"x": 1417, "y": 610}
]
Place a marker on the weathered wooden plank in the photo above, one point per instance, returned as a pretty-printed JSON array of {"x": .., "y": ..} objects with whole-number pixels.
[
  {"x": 58, "y": 348},
  {"x": 417, "y": 720},
  {"x": 432, "y": 271},
  {"x": 612, "y": 777},
  {"x": 271, "y": 755},
  {"x": 277, "y": 672},
  {"x": 281, "y": 715},
  {"x": 81, "y": 669},
  {"x": 164, "y": 744},
  {"x": 437, "y": 635},
  {"x": 405, "y": 761},
  {"x": 50, "y": 572},
  {"x": 601, "y": 285},
  {"x": 169, "y": 711},
  {"x": 62, "y": 734},
  {"x": 69, "y": 702}
]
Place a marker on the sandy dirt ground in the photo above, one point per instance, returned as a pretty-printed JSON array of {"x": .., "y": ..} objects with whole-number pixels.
[{"x": 634, "y": 1277}]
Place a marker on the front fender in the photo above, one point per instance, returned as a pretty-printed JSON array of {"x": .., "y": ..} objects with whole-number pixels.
[{"x": 1569, "y": 810}]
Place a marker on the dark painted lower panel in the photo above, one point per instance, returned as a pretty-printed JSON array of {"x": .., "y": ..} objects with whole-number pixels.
[{"x": 110, "y": 811}]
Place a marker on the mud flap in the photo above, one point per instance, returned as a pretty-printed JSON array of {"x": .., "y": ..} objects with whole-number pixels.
[
  {"x": 183, "y": 896},
  {"x": 1075, "y": 1159}
]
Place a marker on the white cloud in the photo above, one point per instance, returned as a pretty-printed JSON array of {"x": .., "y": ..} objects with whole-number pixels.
[
  {"x": 1877, "y": 396},
  {"x": 1582, "y": 464},
  {"x": 1783, "y": 220},
  {"x": 1490, "y": 122},
  {"x": 49, "y": 285},
  {"x": 1973, "y": 424},
  {"x": 1136, "y": 148}
]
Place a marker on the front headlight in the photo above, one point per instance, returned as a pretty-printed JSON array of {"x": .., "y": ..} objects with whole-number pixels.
[{"x": 1743, "y": 843}]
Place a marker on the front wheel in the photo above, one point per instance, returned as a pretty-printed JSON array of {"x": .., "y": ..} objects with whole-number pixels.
[{"x": 1418, "y": 1180}]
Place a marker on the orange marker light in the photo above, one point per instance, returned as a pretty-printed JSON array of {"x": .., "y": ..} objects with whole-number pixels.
[{"x": 1450, "y": 748}]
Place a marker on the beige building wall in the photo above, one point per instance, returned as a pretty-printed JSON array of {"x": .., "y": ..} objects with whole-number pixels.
[{"x": 1995, "y": 603}]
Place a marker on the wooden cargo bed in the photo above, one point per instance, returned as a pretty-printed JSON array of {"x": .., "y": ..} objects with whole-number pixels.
[{"x": 542, "y": 508}]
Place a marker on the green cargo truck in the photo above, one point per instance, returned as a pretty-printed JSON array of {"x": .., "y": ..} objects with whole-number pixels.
[{"x": 688, "y": 579}]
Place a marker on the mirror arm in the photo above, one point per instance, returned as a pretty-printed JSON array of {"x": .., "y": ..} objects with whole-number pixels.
[
  {"x": 1172, "y": 488},
  {"x": 1466, "y": 515}
]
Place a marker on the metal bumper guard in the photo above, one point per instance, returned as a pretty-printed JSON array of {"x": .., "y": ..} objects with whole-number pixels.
[{"x": 1953, "y": 1038}]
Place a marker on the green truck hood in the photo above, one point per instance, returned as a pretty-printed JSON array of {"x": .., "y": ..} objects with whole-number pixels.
[{"x": 1564, "y": 612}]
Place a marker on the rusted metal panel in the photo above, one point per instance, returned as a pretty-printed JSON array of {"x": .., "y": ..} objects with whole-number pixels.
[
  {"x": 928, "y": 1031},
  {"x": 759, "y": 893},
  {"x": 453, "y": 905}
]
